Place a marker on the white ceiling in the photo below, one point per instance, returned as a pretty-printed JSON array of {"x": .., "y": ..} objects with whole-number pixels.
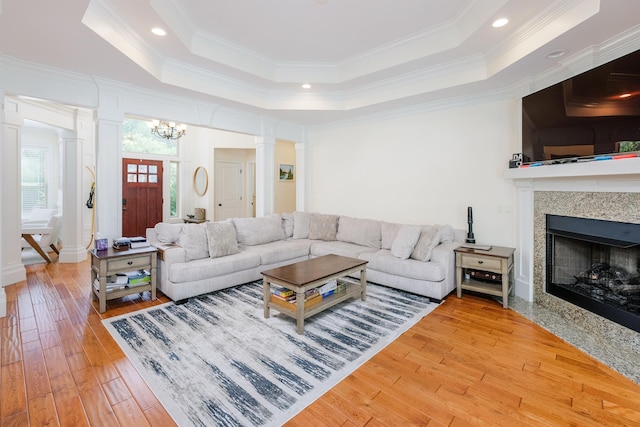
[{"x": 360, "y": 56}]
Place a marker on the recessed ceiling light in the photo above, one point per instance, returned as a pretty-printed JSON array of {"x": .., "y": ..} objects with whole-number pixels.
[
  {"x": 306, "y": 86},
  {"x": 500, "y": 22},
  {"x": 555, "y": 54},
  {"x": 158, "y": 31},
  {"x": 625, "y": 95}
]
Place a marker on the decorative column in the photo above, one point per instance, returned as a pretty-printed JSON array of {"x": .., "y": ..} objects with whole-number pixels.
[
  {"x": 10, "y": 142},
  {"x": 73, "y": 249},
  {"x": 301, "y": 173},
  {"x": 108, "y": 195},
  {"x": 265, "y": 175}
]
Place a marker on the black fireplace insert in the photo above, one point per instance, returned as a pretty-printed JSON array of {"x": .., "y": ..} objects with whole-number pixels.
[{"x": 595, "y": 264}]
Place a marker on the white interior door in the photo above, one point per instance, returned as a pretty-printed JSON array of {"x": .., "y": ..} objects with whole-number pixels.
[{"x": 228, "y": 190}]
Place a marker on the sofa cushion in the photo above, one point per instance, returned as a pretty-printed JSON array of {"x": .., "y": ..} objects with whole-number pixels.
[
  {"x": 364, "y": 232},
  {"x": 320, "y": 248},
  {"x": 405, "y": 241},
  {"x": 388, "y": 233},
  {"x": 193, "y": 239},
  {"x": 323, "y": 227},
  {"x": 429, "y": 239},
  {"x": 279, "y": 251},
  {"x": 384, "y": 262},
  {"x": 208, "y": 268},
  {"x": 257, "y": 231},
  {"x": 301, "y": 225},
  {"x": 222, "y": 239},
  {"x": 167, "y": 232},
  {"x": 446, "y": 233},
  {"x": 287, "y": 224}
]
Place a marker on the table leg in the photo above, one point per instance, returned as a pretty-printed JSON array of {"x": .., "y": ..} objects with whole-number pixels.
[
  {"x": 300, "y": 311},
  {"x": 102, "y": 297},
  {"x": 505, "y": 290},
  {"x": 36, "y": 246},
  {"x": 363, "y": 283},
  {"x": 153, "y": 284},
  {"x": 265, "y": 297}
]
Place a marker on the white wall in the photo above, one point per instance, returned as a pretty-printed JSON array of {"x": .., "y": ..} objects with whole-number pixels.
[{"x": 421, "y": 168}]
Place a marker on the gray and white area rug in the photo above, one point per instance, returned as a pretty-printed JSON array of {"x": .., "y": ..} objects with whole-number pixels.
[{"x": 216, "y": 360}]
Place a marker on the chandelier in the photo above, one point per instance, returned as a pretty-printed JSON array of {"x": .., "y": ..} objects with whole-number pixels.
[{"x": 167, "y": 130}]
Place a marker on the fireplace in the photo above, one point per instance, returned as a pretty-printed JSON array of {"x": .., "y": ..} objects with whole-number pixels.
[{"x": 595, "y": 264}]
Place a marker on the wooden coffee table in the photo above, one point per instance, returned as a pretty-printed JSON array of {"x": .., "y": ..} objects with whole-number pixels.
[{"x": 305, "y": 275}]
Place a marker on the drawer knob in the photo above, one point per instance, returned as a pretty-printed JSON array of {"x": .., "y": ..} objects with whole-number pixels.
[
  {"x": 130, "y": 262},
  {"x": 480, "y": 262}
]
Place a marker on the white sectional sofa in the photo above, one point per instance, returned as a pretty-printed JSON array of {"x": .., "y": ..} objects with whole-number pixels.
[{"x": 199, "y": 258}]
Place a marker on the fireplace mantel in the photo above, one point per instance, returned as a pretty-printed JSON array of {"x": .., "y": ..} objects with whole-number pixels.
[
  {"x": 592, "y": 169},
  {"x": 615, "y": 176}
]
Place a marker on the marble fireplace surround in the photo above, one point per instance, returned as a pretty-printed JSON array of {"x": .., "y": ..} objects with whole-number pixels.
[{"x": 596, "y": 191}]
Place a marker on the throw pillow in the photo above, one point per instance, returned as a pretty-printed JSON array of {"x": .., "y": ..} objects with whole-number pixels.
[
  {"x": 193, "y": 239},
  {"x": 446, "y": 233},
  {"x": 323, "y": 227},
  {"x": 222, "y": 239},
  {"x": 301, "y": 225},
  {"x": 287, "y": 224},
  {"x": 167, "y": 232},
  {"x": 428, "y": 240},
  {"x": 405, "y": 241},
  {"x": 388, "y": 233},
  {"x": 257, "y": 231},
  {"x": 361, "y": 231}
]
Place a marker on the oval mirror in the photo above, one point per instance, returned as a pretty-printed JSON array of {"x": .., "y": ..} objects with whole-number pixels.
[{"x": 200, "y": 181}]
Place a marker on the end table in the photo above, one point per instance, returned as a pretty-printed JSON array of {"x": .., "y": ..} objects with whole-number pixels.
[
  {"x": 109, "y": 262},
  {"x": 492, "y": 270}
]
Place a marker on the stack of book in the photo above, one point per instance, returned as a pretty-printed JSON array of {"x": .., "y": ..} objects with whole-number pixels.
[
  {"x": 332, "y": 287},
  {"x": 114, "y": 283},
  {"x": 122, "y": 244},
  {"x": 138, "y": 242},
  {"x": 138, "y": 278},
  {"x": 286, "y": 297}
]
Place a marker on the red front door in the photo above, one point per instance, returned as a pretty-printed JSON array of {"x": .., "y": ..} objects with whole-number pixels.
[{"x": 141, "y": 196}]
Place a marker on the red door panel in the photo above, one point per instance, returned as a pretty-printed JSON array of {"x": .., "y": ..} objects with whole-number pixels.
[{"x": 141, "y": 196}]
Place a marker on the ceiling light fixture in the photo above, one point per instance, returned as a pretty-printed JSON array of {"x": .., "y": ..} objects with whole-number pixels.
[
  {"x": 500, "y": 22},
  {"x": 555, "y": 54},
  {"x": 167, "y": 130},
  {"x": 306, "y": 86},
  {"x": 625, "y": 95},
  {"x": 158, "y": 31}
]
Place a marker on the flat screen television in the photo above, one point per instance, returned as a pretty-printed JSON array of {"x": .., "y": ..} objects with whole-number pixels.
[{"x": 594, "y": 113}]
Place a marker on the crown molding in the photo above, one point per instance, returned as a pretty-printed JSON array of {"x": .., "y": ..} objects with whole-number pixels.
[
  {"x": 108, "y": 24},
  {"x": 417, "y": 46},
  {"x": 547, "y": 26}
]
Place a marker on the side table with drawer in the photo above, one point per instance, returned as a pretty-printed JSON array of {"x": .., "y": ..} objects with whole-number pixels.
[
  {"x": 485, "y": 271},
  {"x": 109, "y": 262}
]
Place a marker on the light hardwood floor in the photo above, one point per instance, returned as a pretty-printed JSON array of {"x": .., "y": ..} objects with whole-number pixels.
[{"x": 470, "y": 362}]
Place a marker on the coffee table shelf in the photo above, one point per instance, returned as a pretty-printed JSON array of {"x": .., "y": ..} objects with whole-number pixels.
[{"x": 305, "y": 275}]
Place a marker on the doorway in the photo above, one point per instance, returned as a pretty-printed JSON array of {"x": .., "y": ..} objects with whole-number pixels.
[
  {"x": 229, "y": 192},
  {"x": 141, "y": 196}
]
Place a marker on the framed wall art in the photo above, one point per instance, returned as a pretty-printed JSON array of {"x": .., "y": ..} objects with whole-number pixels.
[{"x": 286, "y": 172}]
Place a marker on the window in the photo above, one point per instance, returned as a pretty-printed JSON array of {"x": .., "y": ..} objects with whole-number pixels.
[
  {"x": 137, "y": 138},
  {"x": 34, "y": 178},
  {"x": 173, "y": 188}
]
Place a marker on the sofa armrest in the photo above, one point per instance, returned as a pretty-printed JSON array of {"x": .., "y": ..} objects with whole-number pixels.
[
  {"x": 172, "y": 253},
  {"x": 444, "y": 254}
]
